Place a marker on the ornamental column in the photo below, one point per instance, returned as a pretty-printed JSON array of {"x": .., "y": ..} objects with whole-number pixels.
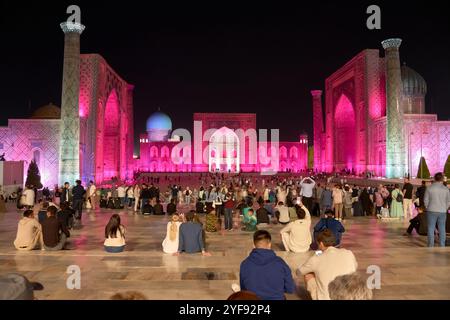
[
  {"x": 395, "y": 140},
  {"x": 318, "y": 128},
  {"x": 69, "y": 152}
]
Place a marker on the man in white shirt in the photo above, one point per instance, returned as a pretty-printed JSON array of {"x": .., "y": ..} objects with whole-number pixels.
[
  {"x": 121, "y": 192},
  {"x": 307, "y": 192},
  {"x": 326, "y": 265},
  {"x": 296, "y": 236},
  {"x": 92, "y": 193}
]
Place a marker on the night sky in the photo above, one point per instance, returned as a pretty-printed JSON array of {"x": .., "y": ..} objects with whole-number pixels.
[{"x": 217, "y": 56}]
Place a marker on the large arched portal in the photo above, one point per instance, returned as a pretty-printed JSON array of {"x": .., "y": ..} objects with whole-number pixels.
[
  {"x": 345, "y": 134},
  {"x": 224, "y": 151},
  {"x": 111, "y": 141}
]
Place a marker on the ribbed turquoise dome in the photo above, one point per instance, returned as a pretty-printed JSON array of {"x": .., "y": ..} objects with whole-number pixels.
[{"x": 159, "y": 121}]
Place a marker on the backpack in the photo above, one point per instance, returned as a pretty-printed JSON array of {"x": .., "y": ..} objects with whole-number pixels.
[{"x": 399, "y": 197}]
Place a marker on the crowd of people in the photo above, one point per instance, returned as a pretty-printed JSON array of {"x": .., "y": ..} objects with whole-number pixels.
[{"x": 251, "y": 204}]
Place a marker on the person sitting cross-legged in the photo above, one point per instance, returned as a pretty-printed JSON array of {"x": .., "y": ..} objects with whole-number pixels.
[
  {"x": 115, "y": 235},
  {"x": 29, "y": 233},
  {"x": 326, "y": 265},
  {"x": 54, "y": 232},
  {"x": 263, "y": 272},
  {"x": 296, "y": 236},
  {"x": 191, "y": 237},
  {"x": 328, "y": 222},
  {"x": 249, "y": 221},
  {"x": 419, "y": 223}
]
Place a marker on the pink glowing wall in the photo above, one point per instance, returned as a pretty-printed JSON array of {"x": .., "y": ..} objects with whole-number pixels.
[{"x": 345, "y": 133}]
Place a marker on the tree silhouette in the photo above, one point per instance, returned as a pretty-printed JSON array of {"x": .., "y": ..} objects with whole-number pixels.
[
  {"x": 423, "y": 172},
  {"x": 447, "y": 167},
  {"x": 33, "y": 176}
]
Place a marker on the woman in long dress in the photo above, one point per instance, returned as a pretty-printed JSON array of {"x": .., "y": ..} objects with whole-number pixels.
[
  {"x": 396, "y": 206},
  {"x": 170, "y": 243}
]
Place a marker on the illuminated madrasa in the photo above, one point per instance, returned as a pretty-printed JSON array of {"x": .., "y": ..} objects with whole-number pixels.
[{"x": 375, "y": 118}]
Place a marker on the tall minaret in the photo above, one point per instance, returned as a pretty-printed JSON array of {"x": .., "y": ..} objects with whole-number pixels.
[
  {"x": 318, "y": 128},
  {"x": 69, "y": 151},
  {"x": 395, "y": 140}
]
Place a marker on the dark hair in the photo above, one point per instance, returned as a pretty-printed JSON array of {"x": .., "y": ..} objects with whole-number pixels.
[
  {"x": 112, "y": 226},
  {"x": 243, "y": 295},
  {"x": 27, "y": 213},
  {"x": 45, "y": 205},
  {"x": 78, "y": 182},
  {"x": 190, "y": 215},
  {"x": 327, "y": 238},
  {"x": 301, "y": 214},
  {"x": 52, "y": 210},
  {"x": 261, "y": 235},
  {"x": 280, "y": 203},
  {"x": 64, "y": 206},
  {"x": 66, "y": 183},
  {"x": 439, "y": 177},
  {"x": 251, "y": 210},
  {"x": 424, "y": 182},
  {"x": 329, "y": 212}
]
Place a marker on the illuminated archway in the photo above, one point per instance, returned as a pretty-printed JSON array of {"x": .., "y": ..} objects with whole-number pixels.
[
  {"x": 345, "y": 134},
  {"x": 111, "y": 141},
  {"x": 224, "y": 145}
]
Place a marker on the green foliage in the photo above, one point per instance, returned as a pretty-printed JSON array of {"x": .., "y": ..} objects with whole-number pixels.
[
  {"x": 423, "y": 172},
  {"x": 33, "y": 176},
  {"x": 447, "y": 167}
]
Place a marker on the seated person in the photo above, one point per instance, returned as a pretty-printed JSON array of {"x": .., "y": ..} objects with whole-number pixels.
[
  {"x": 66, "y": 215},
  {"x": 29, "y": 233},
  {"x": 263, "y": 272},
  {"x": 296, "y": 236},
  {"x": 171, "y": 241},
  {"x": 42, "y": 214},
  {"x": 292, "y": 213},
  {"x": 328, "y": 222},
  {"x": 191, "y": 237},
  {"x": 262, "y": 215},
  {"x": 147, "y": 208},
  {"x": 115, "y": 235},
  {"x": 172, "y": 207},
  {"x": 158, "y": 208},
  {"x": 326, "y": 265},
  {"x": 249, "y": 221},
  {"x": 349, "y": 287},
  {"x": 54, "y": 233},
  {"x": 200, "y": 207},
  {"x": 419, "y": 223},
  {"x": 282, "y": 213}
]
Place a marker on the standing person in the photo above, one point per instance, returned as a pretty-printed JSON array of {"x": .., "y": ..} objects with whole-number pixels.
[
  {"x": 307, "y": 185},
  {"x": 66, "y": 195},
  {"x": 397, "y": 202},
  {"x": 54, "y": 233},
  {"x": 78, "y": 193},
  {"x": 379, "y": 201},
  {"x": 263, "y": 272},
  {"x": 145, "y": 197},
  {"x": 121, "y": 193},
  {"x": 366, "y": 202},
  {"x": 92, "y": 195},
  {"x": 137, "y": 197},
  {"x": 130, "y": 196},
  {"x": 317, "y": 196},
  {"x": 171, "y": 207},
  {"x": 115, "y": 235},
  {"x": 171, "y": 241},
  {"x": 326, "y": 265},
  {"x": 266, "y": 193},
  {"x": 407, "y": 199},
  {"x": 420, "y": 193},
  {"x": 187, "y": 196},
  {"x": 28, "y": 197},
  {"x": 348, "y": 201},
  {"x": 29, "y": 233},
  {"x": 338, "y": 205},
  {"x": 229, "y": 207},
  {"x": 296, "y": 236},
  {"x": 437, "y": 202},
  {"x": 326, "y": 199}
]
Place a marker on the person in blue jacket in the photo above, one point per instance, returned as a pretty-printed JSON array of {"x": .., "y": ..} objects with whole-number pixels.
[
  {"x": 332, "y": 224},
  {"x": 263, "y": 272}
]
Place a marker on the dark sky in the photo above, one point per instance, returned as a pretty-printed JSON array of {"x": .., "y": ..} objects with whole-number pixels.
[{"x": 217, "y": 56}]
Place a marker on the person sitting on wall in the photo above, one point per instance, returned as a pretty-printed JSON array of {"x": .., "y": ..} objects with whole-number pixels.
[
  {"x": 158, "y": 208},
  {"x": 147, "y": 208},
  {"x": 262, "y": 215},
  {"x": 419, "y": 223},
  {"x": 66, "y": 215},
  {"x": 249, "y": 221},
  {"x": 54, "y": 232},
  {"x": 171, "y": 206},
  {"x": 328, "y": 222},
  {"x": 29, "y": 233},
  {"x": 191, "y": 237},
  {"x": 115, "y": 235}
]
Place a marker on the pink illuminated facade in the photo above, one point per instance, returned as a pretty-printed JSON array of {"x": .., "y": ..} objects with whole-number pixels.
[
  {"x": 221, "y": 142},
  {"x": 351, "y": 134}
]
